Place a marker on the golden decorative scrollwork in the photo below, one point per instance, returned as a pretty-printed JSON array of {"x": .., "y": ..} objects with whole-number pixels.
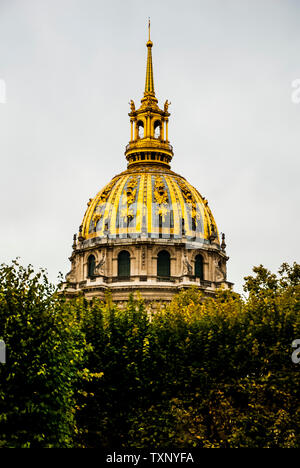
[
  {"x": 190, "y": 200},
  {"x": 129, "y": 199},
  {"x": 102, "y": 199},
  {"x": 161, "y": 198},
  {"x": 162, "y": 211},
  {"x": 96, "y": 218},
  {"x": 160, "y": 193},
  {"x": 213, "y": 226},
  {"x": 104, "y": 195},
  {"x": 127, "y": 213}
]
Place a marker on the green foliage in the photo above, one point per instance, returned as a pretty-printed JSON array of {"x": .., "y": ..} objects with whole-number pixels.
[
  {"x": 200, "y": 372},
  {"x": 45, "y": 349}
]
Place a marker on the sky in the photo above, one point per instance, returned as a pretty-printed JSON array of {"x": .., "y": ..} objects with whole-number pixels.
[{"x": 68, "y": 69}]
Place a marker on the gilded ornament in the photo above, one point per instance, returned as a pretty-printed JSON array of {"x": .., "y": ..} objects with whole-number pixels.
[
  {"x": 129, "y": 199},
  {"x": 161, "y": 198},
  {"x": 191, "y": 202},
  {"x": 96, "y": 218},
  {"x": 127, "y": 213},
  {"x": 104, "y": 195},
  {"x": 162, "y": 211},
  {"x": 160, "y": 193}
]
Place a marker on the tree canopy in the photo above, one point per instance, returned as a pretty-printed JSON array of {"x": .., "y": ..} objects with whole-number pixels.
[{"x": 199, "y": 372}]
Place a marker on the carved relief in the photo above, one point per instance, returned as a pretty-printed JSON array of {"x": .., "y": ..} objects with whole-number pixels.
[
  {"x": 213, "y": 226},
  {"x": 191, "y": 202},
  {"x": 161, "y": 198},
  {"x": 96, "y": 218},
  {"x": 99, "y": 268},
  {"x": 160, "y": 193},
  {"x": 186, "y": 266},
  {"x": 129, "y": 198},
  {"x": 104, "y": 195},
  {"x": 71, "y": 275},
  {"x": 220, "y": 270}
]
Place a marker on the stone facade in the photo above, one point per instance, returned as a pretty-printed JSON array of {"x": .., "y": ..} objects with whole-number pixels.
[
  {"x": 148, "y": 230},
  {"x": 143, "y": 269}
]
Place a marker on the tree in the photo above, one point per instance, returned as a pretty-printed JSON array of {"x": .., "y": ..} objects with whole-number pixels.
[
  {"x": 45, "y": 351},
  {"x": 200, "y": 372}
]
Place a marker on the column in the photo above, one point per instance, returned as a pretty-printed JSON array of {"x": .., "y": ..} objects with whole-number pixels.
[
  {"x": 149, "y": 126},
  {"x": 162, "y": 131}
]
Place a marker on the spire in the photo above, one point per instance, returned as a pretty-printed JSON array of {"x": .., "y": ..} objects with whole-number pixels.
[
  {"x": 149, "y": 140},
  {"x": 149, "y": 83}
]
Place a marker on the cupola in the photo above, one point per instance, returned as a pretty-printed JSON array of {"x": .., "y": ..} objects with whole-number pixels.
[{"x": 149, "y": 139}]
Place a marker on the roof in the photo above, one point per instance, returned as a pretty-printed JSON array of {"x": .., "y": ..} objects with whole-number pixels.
[{"x": 149, "y": 202}]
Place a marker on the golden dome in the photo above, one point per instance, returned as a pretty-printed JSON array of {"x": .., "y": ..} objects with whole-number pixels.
[
  {"x": 148, "y": 230},
  {"x": 149, "y": 202}
]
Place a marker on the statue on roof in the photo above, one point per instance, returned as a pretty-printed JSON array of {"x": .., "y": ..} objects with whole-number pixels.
[
  {"x": 166, "y": 105},
  {"x": 132, "y": 105}
]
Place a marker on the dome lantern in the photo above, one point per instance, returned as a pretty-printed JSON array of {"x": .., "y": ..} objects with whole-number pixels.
[{"x": 149, "y": 140}]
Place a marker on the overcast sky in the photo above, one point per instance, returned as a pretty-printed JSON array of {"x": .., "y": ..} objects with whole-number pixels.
[{"x": 227, "y": 66}]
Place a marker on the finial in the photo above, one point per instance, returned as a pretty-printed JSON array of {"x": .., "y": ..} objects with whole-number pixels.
[
  {"x": 223, "y": 245},
  {"x": 74, "y": 242},
  {"x": 149, "y": 84},
  {"x": 149, "y": 43},
  {"x": 154, "y": 121},
  {"x": 80, "y": 236}
]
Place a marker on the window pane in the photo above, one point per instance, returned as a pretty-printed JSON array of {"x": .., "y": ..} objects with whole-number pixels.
[
  {"x": 199, "y": 267},
  {"x": 124, "y": 263},
  {"x": 91, "y": 266},
  {"x": 163, "y": 263}
]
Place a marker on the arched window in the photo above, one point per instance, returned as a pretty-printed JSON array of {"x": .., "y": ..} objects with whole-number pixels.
[
  {"x": 140, "y": 126},
  {"x": 163, "y": 264},
  {"x": 157, "y": 129},
  {"x": 91, "y": 266},
  {"x": 199, "y": 267},
  {"x": 124, "y": 264}
]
